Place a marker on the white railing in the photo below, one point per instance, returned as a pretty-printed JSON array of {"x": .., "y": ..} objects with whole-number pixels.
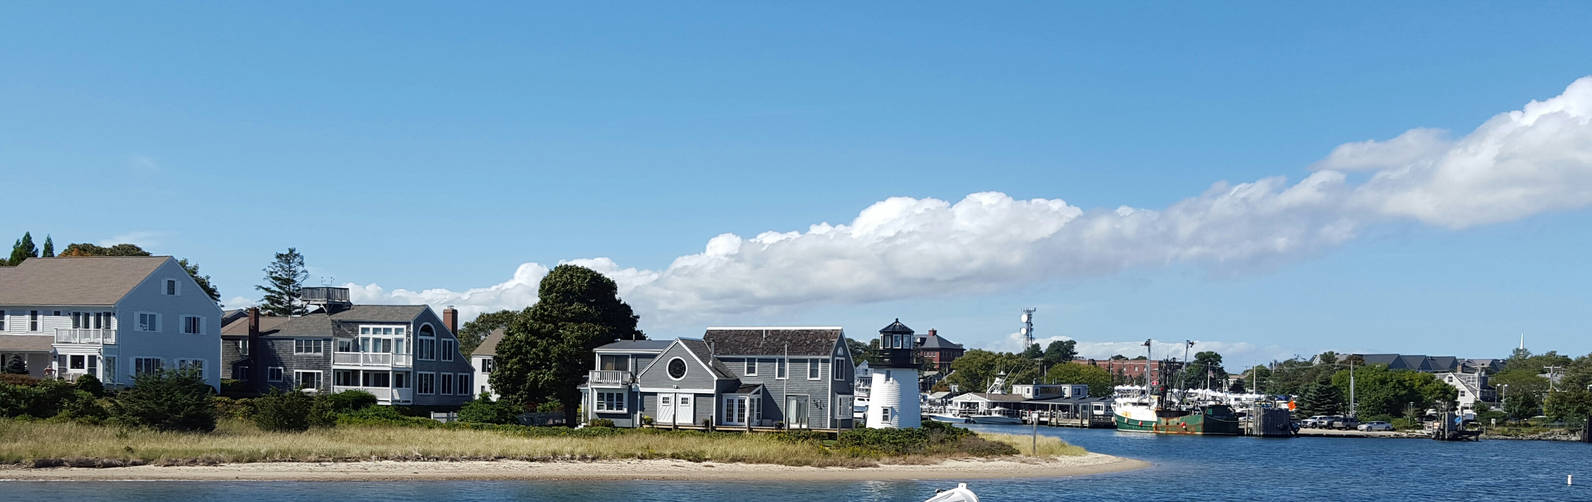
[
  {"x": 76, "y": 335},
  {"x": 372, "y": 359},
  {"x": 610, "y": 377},
  {"x": 383, "y": 394}
]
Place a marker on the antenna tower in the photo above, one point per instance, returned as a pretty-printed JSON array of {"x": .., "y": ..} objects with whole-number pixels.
[{"x": 1028, "y": 327}]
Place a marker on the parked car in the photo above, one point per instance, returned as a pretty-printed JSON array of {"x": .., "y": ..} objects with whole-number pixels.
[
  {"x": 1341, "y": 422},
  {"x": 1314, "y": 422},
  {"x": 1375, "y": 426}
]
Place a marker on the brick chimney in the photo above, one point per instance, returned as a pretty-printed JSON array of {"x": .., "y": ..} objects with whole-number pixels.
[
  {"x": 450, "y": 317},
  {"x": 933, "y": 333},
  {"x": 254, "y": 322}
]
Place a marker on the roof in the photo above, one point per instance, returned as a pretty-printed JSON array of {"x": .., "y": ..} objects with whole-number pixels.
[
  {"x": 488, "y": 346},
  {"x": 773, "y": 341},
  {"x": 704, "y": 352},
  {"x": 319, "y": 324},
  {"x": 74, "y": 281},
  {"x": 1064, "y": 400},
  {"x": 26, "y": 343},
  {"x": 937, "y": 342},
  {"x": 650, "y": 346},
  {"x": 998, "y": 398},
  {"x": 269, "y": 325},
  {"x": 896, "y": 328}
]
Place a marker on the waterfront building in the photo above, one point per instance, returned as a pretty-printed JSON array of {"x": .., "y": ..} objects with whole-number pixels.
[
  {"x": 108, "y": 316},
  {"x": 484, "y": 359},
  {"x": 744, "y": 378},
  {"x": 403, "y": 354}
]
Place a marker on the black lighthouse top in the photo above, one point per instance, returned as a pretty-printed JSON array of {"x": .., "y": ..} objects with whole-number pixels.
[{"x": 895, "y": 345}]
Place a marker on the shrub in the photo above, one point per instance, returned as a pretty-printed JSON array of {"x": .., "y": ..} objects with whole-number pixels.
[
  {"x": 350, "y": 400},
  {"x": 91, "y": 385},
  {"x": 600, "y": 422},
  {"x": 83, "y": 407},
  {"x": 384, "y": 415},
  {"x": 15, "y": 379},
  {"x": 235, "y": 388},
  {"x": 288, "y": 411},
  {"x": 241, "y": 409},
  {"x": 485, "y": 411},
  {"x": 42, "y": 399},
  {"x": 168, "y": 401},
  {"x": 885, "y": 441}
]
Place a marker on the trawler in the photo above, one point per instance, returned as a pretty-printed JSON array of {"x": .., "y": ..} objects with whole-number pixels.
[{"x": 1152, "y": 412}]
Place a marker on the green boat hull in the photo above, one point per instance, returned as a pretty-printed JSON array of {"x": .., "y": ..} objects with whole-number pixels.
[{"x": 1198, "y": 423}]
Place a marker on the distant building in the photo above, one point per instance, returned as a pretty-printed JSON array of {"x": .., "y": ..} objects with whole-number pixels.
[
  {"x": 937, "y": 351},
  {"x": 1467, "y": 376},
  {"x": 484, "y": 360},
  {"x": 1133, "y": 369},
  {"x": 113, "y": 317}
]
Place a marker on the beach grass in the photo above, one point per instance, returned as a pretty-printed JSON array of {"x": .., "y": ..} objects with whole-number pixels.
[
  {"x": 1047, "y": 446},
  {"x": 41, "y": 443}
]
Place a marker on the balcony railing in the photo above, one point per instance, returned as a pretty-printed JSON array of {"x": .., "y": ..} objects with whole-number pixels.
[
  {"x": 609, "y": 377},
  {"x": 372, "y": 359},
  {"x": 75, "y": 335},
  {"x": 383, "y": 394}
]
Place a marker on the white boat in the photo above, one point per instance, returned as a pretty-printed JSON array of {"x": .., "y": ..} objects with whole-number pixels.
[
  {"x": 947, "y": 418},
  {"x": 959, "y": 494},
  {"x": 994, "y": 418}
]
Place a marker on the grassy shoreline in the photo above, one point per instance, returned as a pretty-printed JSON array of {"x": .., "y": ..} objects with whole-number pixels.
[{"x": 48, "y": 444}]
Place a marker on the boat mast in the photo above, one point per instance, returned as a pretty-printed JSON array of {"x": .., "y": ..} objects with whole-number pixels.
[{"x": 1149, "y": 355}]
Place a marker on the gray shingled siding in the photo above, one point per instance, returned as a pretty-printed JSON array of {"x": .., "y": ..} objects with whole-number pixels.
[
  {"x": 230, "y": 359},
  {"x": 279, "y": 352},
  {"x": 697, "y": 375},
  {"x": 459, "y": 365}
]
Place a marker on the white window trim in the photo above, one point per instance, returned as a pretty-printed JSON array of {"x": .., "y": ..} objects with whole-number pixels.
[
  {"x": 173, "y": 285},
  {"x": 200, "y": 324},
  {"x": 845, "y": 407},
  {"x": 751, "y": 366},
  {"x": 138, "y": 322},
  {"x": 319, "y": 341},
  {"x": 280, "y": 373},
  {"x": 683, "y": 374},
  {"x": 137, "y": 360},
  {"x": 782, "y": 368},
  {"x": 433, "y": 382},
  {"x": 320, "y": 378},
  {"x": 815, "y": 366},
  {"x": 598, "y": 402}
]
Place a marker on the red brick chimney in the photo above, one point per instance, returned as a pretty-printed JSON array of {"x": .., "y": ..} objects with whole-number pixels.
[
  {"x": 933, "y": 333},
  {"x": 254, "y": 322},
  {"x": 450, "y": 317}
]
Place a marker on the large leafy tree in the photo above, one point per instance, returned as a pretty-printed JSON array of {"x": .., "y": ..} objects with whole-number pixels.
[
  {"x": 861, "y": 352},
  {"x": 1060, "y": 351},
  {"x": 284, "y": 278},
  {"x": 86, "y": 249},
  {"x": 1382, "y": 392},
  {"x": 23, "y": 250},
  {"x": 472, "y": 333},
  {"x": 1572, "y": 405},
  {"x": 977, "y": 369},
  {"x": 1097, "y": 378},
  {"x": 1206, "y": 366},
  {"x": 546, "y": 349}
]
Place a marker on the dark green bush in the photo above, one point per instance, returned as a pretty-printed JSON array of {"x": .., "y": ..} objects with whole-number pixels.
[
  {"x": 19, "y": 380},
  {"x": 84, "y": 407},
  {"x": 236, "y": 389},
  {"x": 600, "y": 422},
  {"x": 91, "y": 385},
  {"x": 169, "y": 401},
  {"x": 43, "y": 399},
  {"x": 350, "y": 401},
  {"x": 241, "y": 409},
  {"x": 16, "y": 366},
  {"x": 384, "y": 415},
  {"x": 885, "y": 441},
  {"x": 485, "y": 411},
  {"x": 290, "y": 411},
  {"x": 800, "y": 436}
]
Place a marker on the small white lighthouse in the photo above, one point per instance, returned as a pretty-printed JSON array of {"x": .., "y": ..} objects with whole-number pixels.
[{"x": 893, "y": 400}]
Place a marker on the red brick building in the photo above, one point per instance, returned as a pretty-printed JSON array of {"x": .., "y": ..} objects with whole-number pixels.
[
  {"x": 937, "y": 350},
  {"x": 1133, "y": 369}
]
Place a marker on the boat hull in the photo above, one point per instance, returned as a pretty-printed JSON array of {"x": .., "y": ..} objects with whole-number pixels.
[
  {"x": 1197, "y": 424},
  {"x": 948, "y": 419},
  {"x": 998, "y": 419}
]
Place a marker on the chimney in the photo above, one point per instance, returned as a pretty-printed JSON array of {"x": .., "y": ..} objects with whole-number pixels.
[
  {"x": 254, "y": 322},
  {"x": 933, "y": 333},
  {"x": 450, "y": 317}
]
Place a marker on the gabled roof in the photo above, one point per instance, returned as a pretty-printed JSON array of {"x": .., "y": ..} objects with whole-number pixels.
[
  {"x": 705, "y": 353},
  {"x": 75, "y": 281},
  {"x": 642, "y": 346},
  {"x": 773, "y": 341},
  {"x": 269, "y": 325},
  {"x": 318, "y": 324},
  {"x": 488, "y": 346},
  {"x": 896, "y": 328}
]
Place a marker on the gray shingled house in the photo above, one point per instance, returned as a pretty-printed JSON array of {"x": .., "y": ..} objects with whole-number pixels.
[
  {"x": 403, "y": 354},
  {"x": 736, "y": 378}
]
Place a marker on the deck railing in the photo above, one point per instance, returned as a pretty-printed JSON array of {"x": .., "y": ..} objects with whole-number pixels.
[
  {"x": 78, "y": 335},
  {"x": 372, "y": 359},
  {"x": 609, "y": 377}
]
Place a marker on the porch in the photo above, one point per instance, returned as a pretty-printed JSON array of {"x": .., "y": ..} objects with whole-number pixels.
[{"x": 85, "y": 336}]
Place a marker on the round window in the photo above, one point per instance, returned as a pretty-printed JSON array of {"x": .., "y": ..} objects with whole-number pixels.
[{"x": 677, "y": 368}]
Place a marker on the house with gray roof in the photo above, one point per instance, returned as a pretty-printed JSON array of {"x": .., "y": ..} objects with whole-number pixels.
[
  {"x": 403, "y": 354},
  {"x": 737, "y": 378},
  {"x": 108, "y": 316}
]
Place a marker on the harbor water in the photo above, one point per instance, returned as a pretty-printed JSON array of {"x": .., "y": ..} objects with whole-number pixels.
[{"x": 1184, "y": 468}]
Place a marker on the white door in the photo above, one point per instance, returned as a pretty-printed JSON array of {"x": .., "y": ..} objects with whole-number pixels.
[
  {"x": 796, "y": 412},
  {"x": 683, "y": 409},
  {"x": 665, "y": 408}
]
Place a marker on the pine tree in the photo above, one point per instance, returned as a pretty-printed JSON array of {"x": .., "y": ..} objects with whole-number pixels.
[
  {"x": 23, "y": 249},
  {"x": 49, "y": 247},
  {"x": 284, "y": 278},
  {"x": 1322, "y": 399}
]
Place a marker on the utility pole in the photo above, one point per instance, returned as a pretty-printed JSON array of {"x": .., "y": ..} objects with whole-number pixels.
[{"x": 1354, "y": 412}]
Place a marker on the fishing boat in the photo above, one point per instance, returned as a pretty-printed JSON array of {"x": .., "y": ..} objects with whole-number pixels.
[{"x": 1152, "y": 412}]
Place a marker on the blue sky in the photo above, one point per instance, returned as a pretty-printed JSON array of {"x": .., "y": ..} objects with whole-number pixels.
[{"x": 432, "y": 149}]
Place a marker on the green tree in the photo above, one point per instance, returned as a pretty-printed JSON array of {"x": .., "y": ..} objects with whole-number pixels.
[
  {"x": 485, "y": 411},
  {"x": 1206, "y": 367},
  {"x": 1380, "y": 391},
  {"x": 1097, "y": 378},
  {"x": 472, "y": 333},
  {"x": 169, "y": 400},
  {"x": 49, "y": 247},
  {"x": 290, "y": 411},
  {"x": 23, "y": 250},
  {"x": 546, "y": 350},
  {"x": 284, "y": 279},
  {"x": 1237, "y": 387},
  {"x": 861, "y": 352},
  {"x": 1321, "y": 399},
  {"x": 1571, "y": 406},
  {"x": 1328, "y": 358},
  {"x": 1060, "y": 351},
  {"x": 1521, "y": 405},
  {"x": 977, "y": 369},
  {"x": 85, "y": 249},
  {"x": 1033, "y": 352}
]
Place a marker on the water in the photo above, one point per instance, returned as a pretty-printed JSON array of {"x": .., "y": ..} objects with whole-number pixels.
[{"x": 1185, "y": 468}]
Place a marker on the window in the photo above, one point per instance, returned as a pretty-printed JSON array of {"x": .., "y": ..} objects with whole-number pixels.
[
  {"x": 273, "y": 374},
  {"x": 751, "y": 367},
  {"x": 488, "y": 364},
  {"x": 426, "y": 348},
  {"x": 609, "y": 402},
  {"x": 307, "y": 379},
  {"x": 110, "y": 369},
  {"x": 146, "y": 365},
  {"x": 2, "y": 320},
  {"x": 780, "y": 368},
  {"x": 843, "y": 407},
  {"x": 194, "y": 365},
  {"x": 400, "y": 380},
  {"x": 148, "y": 322},
  {"x": 243, "y": 347},
  {"x": 448, "y": 350},
  {"x": 345, "y": 378},
  {"x": 447, "y": 384},
  {"x": 78, "y": 362},
  {"x": 812, "y": 369},
  {"x": 426, "y": 383},
  {"x": 171, "y": 287},
  {"x": 240, "y": 372},
  {"x": 374, "y": 379},
  {"x": 463, "y": 383},
  {"x": 677, "y": 368},
  {"x": 835, "y": 368},
  {"x": 316, "y": 347},
  {"x": 191, "y": 325},
  {"x": 33, "y": 320}
]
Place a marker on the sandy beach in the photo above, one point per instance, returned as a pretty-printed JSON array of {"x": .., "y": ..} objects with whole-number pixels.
[{"x": 1092, "y": 463}]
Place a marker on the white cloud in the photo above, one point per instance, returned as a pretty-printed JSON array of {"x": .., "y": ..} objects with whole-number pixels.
[
  {"x": 1514, "y": 165},
  {"x": 238, "y": 302},
  {"x": 143, "y": 239}
]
